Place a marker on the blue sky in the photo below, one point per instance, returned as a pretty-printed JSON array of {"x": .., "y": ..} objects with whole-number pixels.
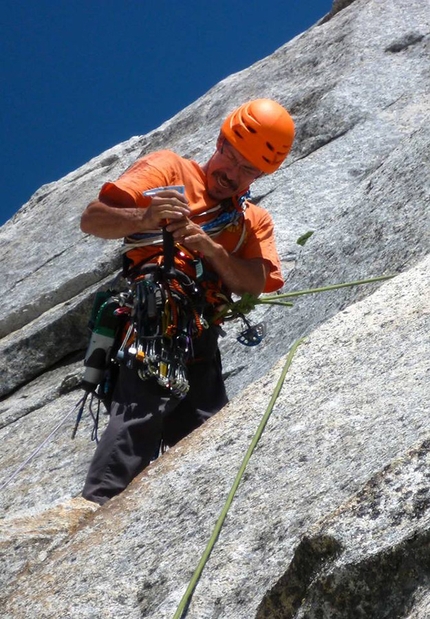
[{"x": 80, "y": 76}]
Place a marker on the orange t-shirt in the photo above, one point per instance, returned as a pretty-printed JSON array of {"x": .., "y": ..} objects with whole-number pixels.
[{"x": 252, "y": 236}]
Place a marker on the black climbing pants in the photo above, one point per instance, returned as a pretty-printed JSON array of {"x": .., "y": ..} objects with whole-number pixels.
[{"x": 142, "y": 414}]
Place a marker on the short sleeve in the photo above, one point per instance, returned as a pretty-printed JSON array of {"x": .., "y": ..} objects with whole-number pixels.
[
  {"x": 146, "y": 173},
  {"x": 260, "y": 243}
]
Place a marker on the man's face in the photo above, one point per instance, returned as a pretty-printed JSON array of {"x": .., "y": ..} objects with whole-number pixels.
[{"x": 228, "y": 172}]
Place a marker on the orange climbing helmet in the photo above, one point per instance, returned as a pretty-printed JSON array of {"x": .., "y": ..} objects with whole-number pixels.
[{"x": 262, "y": 131}]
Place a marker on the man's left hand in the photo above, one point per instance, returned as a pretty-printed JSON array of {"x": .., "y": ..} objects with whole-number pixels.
[{"x": 192, "y": 236}]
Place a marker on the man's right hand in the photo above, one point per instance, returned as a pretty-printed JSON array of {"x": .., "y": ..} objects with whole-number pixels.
[
  {"x": 110, "y": 220},
  {"x": 166, "y": 205}
]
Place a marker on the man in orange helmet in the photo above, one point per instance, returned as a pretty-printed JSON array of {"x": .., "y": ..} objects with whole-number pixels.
[{"x": 223, "y": 243}]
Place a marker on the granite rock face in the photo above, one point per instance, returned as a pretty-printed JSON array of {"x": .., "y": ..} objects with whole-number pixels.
[{"x": 331, "y": 518}]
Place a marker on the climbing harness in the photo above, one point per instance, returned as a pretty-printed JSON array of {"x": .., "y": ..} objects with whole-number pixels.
[{"x": 149, "y": 327}]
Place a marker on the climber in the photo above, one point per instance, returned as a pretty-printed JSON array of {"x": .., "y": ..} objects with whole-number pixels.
[{"x": 223, "y": 244}]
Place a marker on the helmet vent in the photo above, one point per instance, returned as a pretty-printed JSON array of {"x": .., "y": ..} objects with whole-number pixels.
[
  {"x": 251, "y": 129},
  {"x": 270, "y": 146},
  {"x": 238, "y": 134}
]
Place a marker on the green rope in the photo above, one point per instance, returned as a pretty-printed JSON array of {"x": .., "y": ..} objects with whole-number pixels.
[
  {"x": 243, "y": 306},
  {"x": 286, "y": 295},
  {"x": 248, "y": 301},
  {"x": 189, "y": 592}
]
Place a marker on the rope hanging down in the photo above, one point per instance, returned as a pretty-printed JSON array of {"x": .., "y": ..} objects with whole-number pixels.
[
  {"x": 183, "y": 605},
  {"x": 78, "y": 407}
]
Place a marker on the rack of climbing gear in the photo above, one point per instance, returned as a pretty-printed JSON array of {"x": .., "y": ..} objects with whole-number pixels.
[{"x": 165, "y": 314}]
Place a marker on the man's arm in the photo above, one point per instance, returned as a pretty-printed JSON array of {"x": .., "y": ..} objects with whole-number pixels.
[
  {"x": 108, "y": 219},
  {"x": 238, "y": 275}
]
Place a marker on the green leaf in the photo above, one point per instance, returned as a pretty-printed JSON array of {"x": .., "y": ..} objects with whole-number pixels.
[{"x": 302, "y": 239}]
